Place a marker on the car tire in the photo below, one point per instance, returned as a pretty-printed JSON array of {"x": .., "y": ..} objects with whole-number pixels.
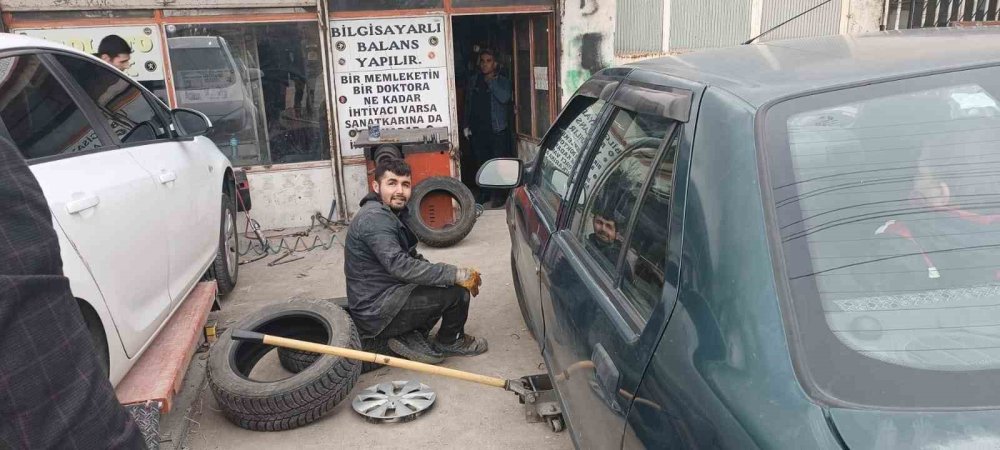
[
  {"x": 226, "y": 267},
  {"x": 451, "y": 235},
  {"x": 296, "y": 361},
  {"x": 299, "y": 399}
]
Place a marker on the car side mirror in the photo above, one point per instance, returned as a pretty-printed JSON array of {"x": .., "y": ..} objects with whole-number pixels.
[
  {"x": 500, "y": 173},
  {"x": 190, "y": 123},
  {"x": 254, "y": 74}
]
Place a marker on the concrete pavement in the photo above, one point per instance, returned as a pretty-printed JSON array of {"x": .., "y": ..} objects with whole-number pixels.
[{"x": 464, "y": 415}]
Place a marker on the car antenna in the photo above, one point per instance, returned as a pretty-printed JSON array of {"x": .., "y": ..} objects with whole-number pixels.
[{"x": 783, "y": 23}]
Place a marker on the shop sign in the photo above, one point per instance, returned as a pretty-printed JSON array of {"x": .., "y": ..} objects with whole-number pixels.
[
  {"x": 147, "y": 53},
  {"x": 389, "y": 72}
]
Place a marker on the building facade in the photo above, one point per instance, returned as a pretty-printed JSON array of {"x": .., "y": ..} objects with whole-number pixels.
[{"x": 289, "y": 84}]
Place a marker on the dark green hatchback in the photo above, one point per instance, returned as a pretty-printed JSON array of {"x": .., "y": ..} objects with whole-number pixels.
[{"x": 793, "y": 244}]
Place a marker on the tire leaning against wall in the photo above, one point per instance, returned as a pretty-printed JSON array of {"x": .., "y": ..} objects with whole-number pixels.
[
  {"x": 294, "y": 401},
  {"x": 451, "y": 235}
]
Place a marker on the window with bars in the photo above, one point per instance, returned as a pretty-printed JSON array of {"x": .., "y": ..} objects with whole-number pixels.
[{"x": 903, "y": 14}]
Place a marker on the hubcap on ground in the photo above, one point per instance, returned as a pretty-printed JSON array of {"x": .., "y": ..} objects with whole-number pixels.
[{"x": 398, "y": 401}]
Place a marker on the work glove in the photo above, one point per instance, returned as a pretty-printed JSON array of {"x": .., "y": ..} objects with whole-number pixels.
[
  {"x": 470, "y": 279},
  {"x": 467, "y": 132}
]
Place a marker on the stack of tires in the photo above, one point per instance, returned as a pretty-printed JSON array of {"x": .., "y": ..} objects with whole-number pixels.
[{"x": 319, "y": 382}]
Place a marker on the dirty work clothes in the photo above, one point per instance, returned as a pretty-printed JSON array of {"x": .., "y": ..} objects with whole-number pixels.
[
  {"x": 500, "y": 93},
  {"x": 425, "y": 306},
  {"x": 383, "y": 267},
  {"x": 53, "y": 390}
]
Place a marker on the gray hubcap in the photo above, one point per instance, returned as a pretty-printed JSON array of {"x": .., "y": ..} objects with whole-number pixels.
[{"x": 398, "y": 401}]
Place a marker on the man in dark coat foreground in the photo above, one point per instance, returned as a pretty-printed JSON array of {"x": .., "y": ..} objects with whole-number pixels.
[
  {"x": 53, "y": 391},
  {"x": 393, "y": 292}
]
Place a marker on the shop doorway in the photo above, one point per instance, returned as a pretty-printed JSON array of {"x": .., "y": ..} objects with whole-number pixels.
[{"x": 490, "y": 115}]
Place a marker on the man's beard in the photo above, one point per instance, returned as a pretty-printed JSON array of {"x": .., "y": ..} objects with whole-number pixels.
[{"x": 392, "y": 203}]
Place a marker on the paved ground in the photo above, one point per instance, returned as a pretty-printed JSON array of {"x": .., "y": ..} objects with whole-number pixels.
[{"x": 465, "y": 414}]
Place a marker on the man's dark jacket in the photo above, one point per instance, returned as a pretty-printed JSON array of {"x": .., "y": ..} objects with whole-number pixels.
[
  {"x": 383, "y": 267},
  {"x": 53, "y": 391}
]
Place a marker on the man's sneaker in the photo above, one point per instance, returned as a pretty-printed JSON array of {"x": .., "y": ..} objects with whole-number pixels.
[
  {"x": 414, "y": 346},
  {"x": 467, "y": 345}
]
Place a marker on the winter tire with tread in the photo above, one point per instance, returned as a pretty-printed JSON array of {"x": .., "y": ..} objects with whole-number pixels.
[{"x": 294, "y": 401}]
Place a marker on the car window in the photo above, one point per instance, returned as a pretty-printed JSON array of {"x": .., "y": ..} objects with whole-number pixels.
[
  {"x": 39, "y": 115},
  {"x": 612, "y": 183},
  {"x": 886, "y": 200},
  {"x": 643, "y": 273},
  {"x": 132, "y": 118},
  {"x": 562, "y": 148}
]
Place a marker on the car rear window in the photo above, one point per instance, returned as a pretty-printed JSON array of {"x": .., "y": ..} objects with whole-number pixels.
[
  {"x": 887, "y": 200},
  {"x": 201, "y": 68}
]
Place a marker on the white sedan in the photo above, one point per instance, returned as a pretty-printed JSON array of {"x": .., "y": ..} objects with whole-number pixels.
[{"x": 142, "y": 202}]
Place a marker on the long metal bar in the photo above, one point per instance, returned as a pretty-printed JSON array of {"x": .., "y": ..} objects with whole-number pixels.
[
  {"x": 923, "y": 12},
  {"x": 369, "y": 357},
  {"x": 937, "y": 12}
]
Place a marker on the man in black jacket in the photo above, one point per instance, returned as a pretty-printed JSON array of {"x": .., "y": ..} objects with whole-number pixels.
[{"x": 393, "y": 292}]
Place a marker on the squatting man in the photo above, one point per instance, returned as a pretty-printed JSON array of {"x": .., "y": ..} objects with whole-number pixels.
[{"x": 393, "y": 292}]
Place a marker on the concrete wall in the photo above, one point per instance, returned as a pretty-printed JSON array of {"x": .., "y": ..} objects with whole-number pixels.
[
  {"x": 863, "y": 16},
  {"x": 355, "y": 186},
  {"x": 288, "y": 196},
  {"x": 586, "y": 36}
]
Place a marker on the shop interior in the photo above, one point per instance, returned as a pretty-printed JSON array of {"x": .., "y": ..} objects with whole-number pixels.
[
  {"x": 472, "y": 35},
  {"x": 260, "y": 84}
]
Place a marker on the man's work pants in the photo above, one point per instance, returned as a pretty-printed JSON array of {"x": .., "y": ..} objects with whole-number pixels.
[{"x": 425, "y": 306}]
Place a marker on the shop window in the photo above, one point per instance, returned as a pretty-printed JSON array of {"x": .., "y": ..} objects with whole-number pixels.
[
  {"x": 260, "y": 84},
  {"x": 375, "y": 5},
  {"x": 534, "y": 100}
]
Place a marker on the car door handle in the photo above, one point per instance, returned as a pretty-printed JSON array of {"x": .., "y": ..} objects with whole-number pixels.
[
  {"x": 83, "y": 203},
  {"x": 166, "y": 177},
  {"x": 607, "y": 377}
]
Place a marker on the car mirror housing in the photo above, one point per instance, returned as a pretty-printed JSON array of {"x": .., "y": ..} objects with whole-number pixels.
[
  {"x": 500, "y": 173},
  {"x": 190, "y": 123}
]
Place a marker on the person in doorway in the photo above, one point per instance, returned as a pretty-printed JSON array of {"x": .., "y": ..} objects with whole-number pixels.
[
  {"x": 115, "y": 51},
  {"x": 393, "y": 292},
  {"x": 487, "y": 99},
  {"x": 56, "y": 393}
]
